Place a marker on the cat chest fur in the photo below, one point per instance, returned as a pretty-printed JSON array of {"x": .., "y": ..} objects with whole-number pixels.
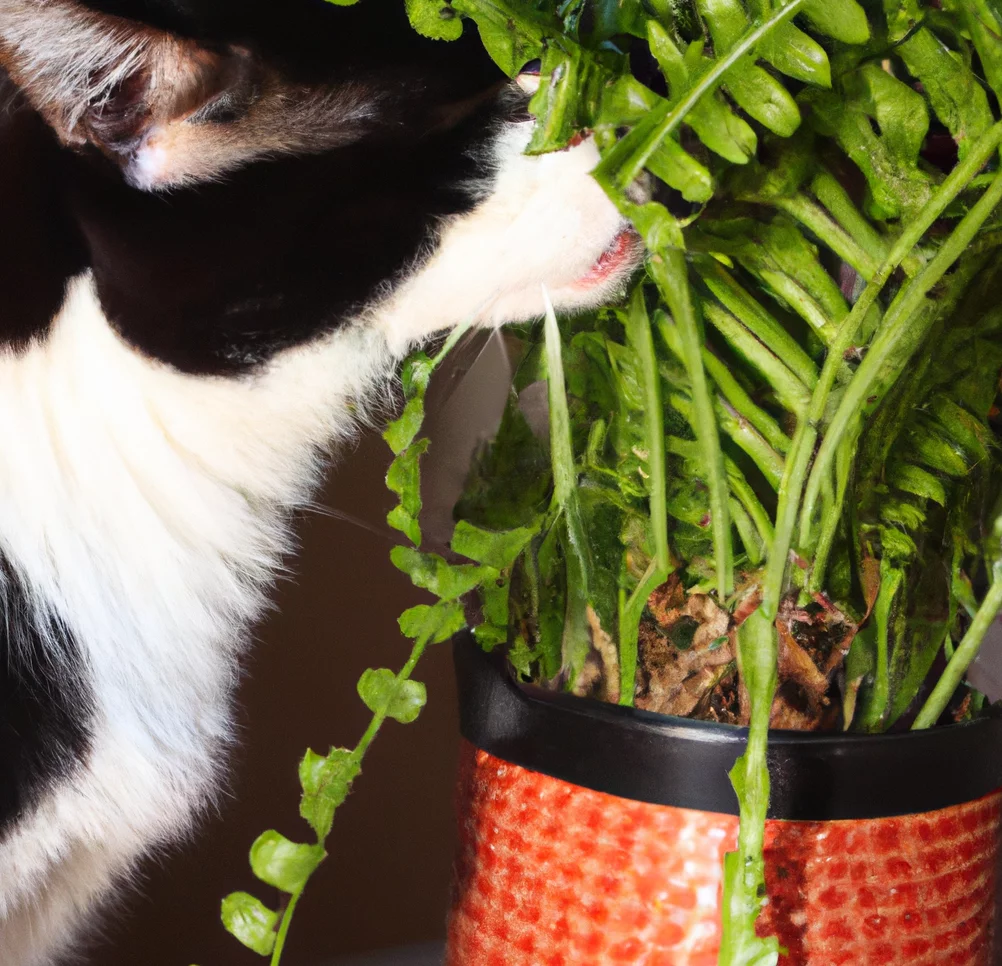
[{"x": 146, "y": 511}]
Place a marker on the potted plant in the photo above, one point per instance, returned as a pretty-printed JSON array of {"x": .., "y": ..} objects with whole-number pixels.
[
  {"x": 766, "y": 507},
  {"x": 768, "y": 503}
]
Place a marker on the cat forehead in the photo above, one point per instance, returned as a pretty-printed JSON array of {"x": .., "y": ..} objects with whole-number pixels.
[
  {"x": 178, "y": 107},
  {"x": 305, "y": 36}
]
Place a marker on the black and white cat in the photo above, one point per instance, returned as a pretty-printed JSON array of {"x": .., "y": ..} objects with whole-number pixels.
[{"x": 221, "y": 225}]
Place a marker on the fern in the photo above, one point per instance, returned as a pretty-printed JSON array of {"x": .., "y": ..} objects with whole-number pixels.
[
  {"x": 822, "y": 282},
  {"x": 807, "y": 373}
]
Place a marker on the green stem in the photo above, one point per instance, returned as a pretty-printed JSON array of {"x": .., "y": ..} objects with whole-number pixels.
[
  {"x": 564, "y": 469},
  {"x": 689, "y": 449},
  {"x": 747, "y": 439},
  {"x": 829, "y": 191},
  {"x": 739, "y": 400},
  {"x": 450, "y": 343},
  {"x": 794, "y": 473},
  {"x": 788, "y": 389},
  {"x": 642, "y": 339},
  {"x": 744, "y": 870},
  {"x": 798, "y": 461},
  {"x": 831, "y": 233},
  {"x": 748, "y": 534},
  {"x": 755, "y": 546},
  {"x": 630, "y": 612},
  {"x": 733, "y": 394},
  {"x": 831, "y": 515},
  {"x": 803, "y": 303},
  {"x": 283, "y": 927},
  {"x": 901, "y": 332},
  {"x": 670, "y": 273},
  {"x": 809, "y": 539},
  {"x": 740, "y": 433},
  {"x": 966, "y": 652},
  {"x": 873, "y": 715},
  {"x": 576, "y": 636},
  {"x": 750, "y": 503}
]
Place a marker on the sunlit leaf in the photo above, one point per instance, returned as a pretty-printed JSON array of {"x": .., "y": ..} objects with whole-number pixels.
[
  {"x": 512, "y": 40},
  {"x": 404, "y": 478},
  {"x": 251, "y": 921},
  {"x": 383, "y": 693},
  {"x": 400, "y": 433},
  {"x": 284, "y": 864},
  {"x": 495, "y": 548},
  {"x": 435, "y": 622},
  {"x": 326, "y": 781},
  {"x": 435, "y": 19},
  {"x": 432, "y": 572},
  {"x": 843, "y": 20}
]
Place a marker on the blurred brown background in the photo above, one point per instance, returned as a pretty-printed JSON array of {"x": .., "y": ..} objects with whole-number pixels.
[{"x": 386, "y": 880}]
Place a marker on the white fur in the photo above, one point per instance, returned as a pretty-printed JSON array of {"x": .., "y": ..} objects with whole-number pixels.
[
  {"x": 545, "y": 222},
  {"x": 528, "y": 82},
  {"x": 149, "y": 509}
]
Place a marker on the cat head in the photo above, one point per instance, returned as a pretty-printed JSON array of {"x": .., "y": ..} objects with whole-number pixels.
[
  {"x": 248, "y": 174},
  {"x": 173, "y": 107}
]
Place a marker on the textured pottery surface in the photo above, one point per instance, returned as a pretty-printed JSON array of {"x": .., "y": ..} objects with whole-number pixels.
[{"x": 552, "y": 874}]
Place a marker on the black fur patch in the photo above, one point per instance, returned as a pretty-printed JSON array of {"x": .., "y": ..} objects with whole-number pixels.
[
  {"x": 306, "y": 36},
  {"x": 218, "y": 278},
  {"x": 45, "y": 705},
  {"x": 39, "y": 246}
]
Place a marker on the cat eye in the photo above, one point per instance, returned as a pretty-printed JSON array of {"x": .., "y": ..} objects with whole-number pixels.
[{"x": 224, "y": 109}]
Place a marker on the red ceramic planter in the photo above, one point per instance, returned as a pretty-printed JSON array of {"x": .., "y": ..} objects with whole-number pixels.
[{"x": 591, "y": 834}]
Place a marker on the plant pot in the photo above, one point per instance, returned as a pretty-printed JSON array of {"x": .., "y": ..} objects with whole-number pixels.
[{"x": 594, "y": 834}]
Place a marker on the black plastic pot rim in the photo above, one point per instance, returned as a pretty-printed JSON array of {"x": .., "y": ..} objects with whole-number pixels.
[{"x": 654, "y": 758}]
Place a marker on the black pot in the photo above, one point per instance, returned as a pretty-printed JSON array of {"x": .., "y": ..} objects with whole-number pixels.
[
  {"x": 664, "y": 760},
  {"x": 591, "y": 833}
]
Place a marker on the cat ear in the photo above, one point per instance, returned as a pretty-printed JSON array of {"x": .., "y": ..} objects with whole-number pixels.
[
  {"x": 107, "y": 81},
  {"x": 170, "y": 112}
]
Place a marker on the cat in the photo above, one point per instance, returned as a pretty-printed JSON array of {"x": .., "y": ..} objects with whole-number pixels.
[{"x": 223, "y": 225}]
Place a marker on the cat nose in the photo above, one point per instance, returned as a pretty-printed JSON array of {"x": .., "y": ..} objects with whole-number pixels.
[
  {"x": 147, "y": 169},
  {"x": 528, "y": 76}
]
